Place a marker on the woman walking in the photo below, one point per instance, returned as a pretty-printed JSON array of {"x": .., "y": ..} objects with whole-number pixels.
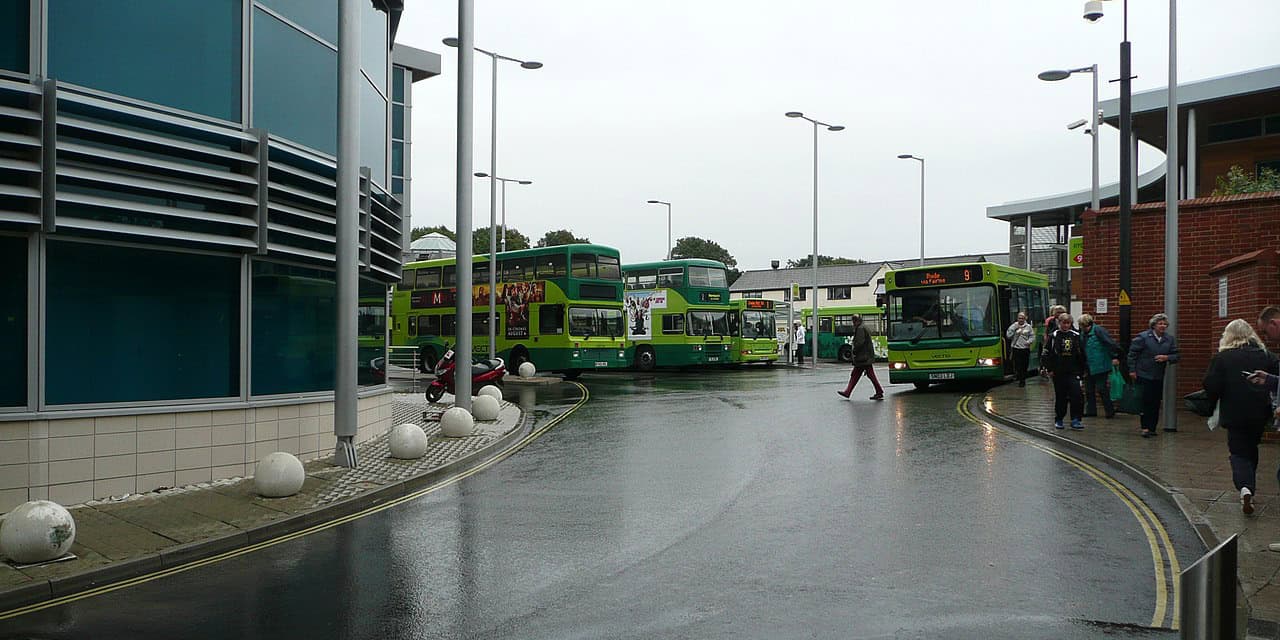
[
  {"x": 1102, "y": 353},
  {"x": 1244, "y": 408},
  {"x": 1063, "y": 358},
  {"x": 864, "y": 360},
  {"x": 1149, "y": 353},
  {"x": 1021, "y": 336}
]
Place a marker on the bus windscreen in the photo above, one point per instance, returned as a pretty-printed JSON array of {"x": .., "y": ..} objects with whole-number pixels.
[{"x": 954, "y": 312}]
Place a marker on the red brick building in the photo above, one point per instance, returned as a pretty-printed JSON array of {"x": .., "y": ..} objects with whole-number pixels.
[{"x": 1231, "y": 237}]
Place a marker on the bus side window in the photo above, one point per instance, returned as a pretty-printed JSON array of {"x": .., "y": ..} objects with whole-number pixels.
[
  {"x": 407, "y": 279},
  {"x": 551, "y": 319},
  {"x": 428, "y": 325},
  {"x": 447, "y": 325},
  {"x": 671, "y": 277},
  {"x": 480, "y": 324},
  {"x": 824, "y": 324},
  {"x": 550, "y": 267},
  {"x": 450, "y": 276},
  {"x": 673, "y": 323},
  {"x": 413, "y": 325},
  {"x": 584, "y": 265}
]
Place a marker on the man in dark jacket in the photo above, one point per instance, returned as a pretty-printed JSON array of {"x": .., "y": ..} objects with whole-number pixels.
[
  {"x": 864, "y": 360},
  {"x": 1063, "y": 356}
]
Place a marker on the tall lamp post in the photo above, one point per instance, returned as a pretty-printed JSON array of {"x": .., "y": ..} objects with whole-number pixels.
[
  {"x": 669, "y": 245},
  {"x": 493, "y": 185},
  {"x": 830, "y": 127},
  {"x": 1093, "y": 121},
  {"x": 907, "y": 156},
  {"x": 504, "y": 182}
]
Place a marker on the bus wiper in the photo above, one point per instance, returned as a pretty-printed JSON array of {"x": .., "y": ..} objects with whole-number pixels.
[
  {"x": 917, "y": 337},
  {"x": 964, "y": 335}
]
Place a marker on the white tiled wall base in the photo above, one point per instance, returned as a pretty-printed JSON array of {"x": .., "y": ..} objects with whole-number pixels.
[{"x": 76, "y": 460}]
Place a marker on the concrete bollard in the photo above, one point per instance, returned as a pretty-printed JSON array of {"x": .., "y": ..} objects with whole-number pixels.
[
  {"x": 527, "y": 370},
  {"x": 490, "y": 390},
  {"x": 37, "y": 531},
  {"x": 278, "y": 475},
  {"x": 485, "y": 408},
  {"x": 407, "y": 441},
  {"x": 457, "y": 423}
]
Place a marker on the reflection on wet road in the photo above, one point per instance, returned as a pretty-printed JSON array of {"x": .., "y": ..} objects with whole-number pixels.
[{"x": 726, "y": 504}]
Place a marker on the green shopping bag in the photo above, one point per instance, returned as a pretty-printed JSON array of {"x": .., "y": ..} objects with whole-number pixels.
[
  {"x": 1131, "y": 400},
  {"x": 1117, "y": 384}
]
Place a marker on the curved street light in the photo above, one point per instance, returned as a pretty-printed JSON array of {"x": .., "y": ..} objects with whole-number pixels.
[
  {"x": 670, "y": 248},
  {"x": 504, "y": 181},
  {"x": 830, "y": 127},
  {"x": 907, "y": 156}
]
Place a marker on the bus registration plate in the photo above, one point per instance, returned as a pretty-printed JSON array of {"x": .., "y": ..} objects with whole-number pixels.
[
  {"x": 713, "y": 358},
  {"x": 942, "y": 376},
  {"x": 601, "y": 364}
]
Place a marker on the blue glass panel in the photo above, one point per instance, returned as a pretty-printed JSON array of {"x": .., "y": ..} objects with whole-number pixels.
[
  {"x": 295, "y": 85},
  {"x": 184, "y": 55},
  {"x": 128, "y": 325},
  {"x": 397, "y": 92},
  {"x": 317, "y": 16},
  {"x": 294, "y": 329},
  {"x": 13, "y": 321},
  {"x": 397, "y": 186},
  {"x": 373, "y": 133},
  {"x": 14, "y": 25},
  {"x": 397, "y": 122},
  {"x": 397, "y": 159},
  {"x": 373, "y": 45}
]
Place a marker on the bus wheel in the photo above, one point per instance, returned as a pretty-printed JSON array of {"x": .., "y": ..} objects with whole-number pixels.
[
  {"x": 645, "y": 359},
  {"x": 846, "y": 353},
  {"x": 921, "y": 385},
  {"x": 572, "y": 374},
  {"x": 427, "y": 359}
]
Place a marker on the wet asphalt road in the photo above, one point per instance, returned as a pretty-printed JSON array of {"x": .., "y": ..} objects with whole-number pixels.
[{"x": 729, "y": 504}]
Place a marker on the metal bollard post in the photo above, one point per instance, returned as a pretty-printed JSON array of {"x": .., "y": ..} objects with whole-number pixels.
[{"x": 1208, "y": 606}]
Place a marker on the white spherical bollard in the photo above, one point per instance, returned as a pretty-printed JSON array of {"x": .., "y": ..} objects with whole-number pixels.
[
  {"x": 407, "y": 441},
  {"x": 278, "y": 475},
  {"x": 457, "y": 423},
  {"x": 526, "y": 370},
  {"x": 490, "y": 390},
  {"x": 485, "y": 408},
  {"x": 37, "y": 531}
]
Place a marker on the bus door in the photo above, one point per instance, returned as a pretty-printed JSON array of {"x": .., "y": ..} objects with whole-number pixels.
[{"x": 1007, "y": 312}]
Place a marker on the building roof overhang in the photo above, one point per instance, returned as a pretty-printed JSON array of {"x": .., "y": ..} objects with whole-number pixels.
[{"x": 422, "y": 64}]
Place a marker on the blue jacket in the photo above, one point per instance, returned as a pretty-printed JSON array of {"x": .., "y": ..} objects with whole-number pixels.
[
  {"x": 1100, "y": 350},
  {"x": 1143, "y": 351}
]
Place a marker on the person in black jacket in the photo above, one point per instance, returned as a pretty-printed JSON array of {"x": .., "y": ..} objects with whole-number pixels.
[
  {"x": 1063, "y": 357},
  {"x": 1243, "y": 408},
  {"x": 864, "y": 360}
]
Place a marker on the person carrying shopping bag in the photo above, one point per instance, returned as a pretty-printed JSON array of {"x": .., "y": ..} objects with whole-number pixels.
[
  {"x": 1243, "y": 408},
  {"x": 1149, "y": 353},
  {"x": 1102, "y": 354}
]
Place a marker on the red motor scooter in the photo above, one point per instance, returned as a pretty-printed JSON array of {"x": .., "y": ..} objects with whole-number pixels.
[{"x": 482, "y": 373}]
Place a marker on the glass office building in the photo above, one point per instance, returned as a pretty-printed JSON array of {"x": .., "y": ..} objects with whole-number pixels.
[{"x": 167, "y": 235}]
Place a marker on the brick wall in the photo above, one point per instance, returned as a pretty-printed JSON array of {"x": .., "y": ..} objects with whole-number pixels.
[{"x": 1212, "y": 231}]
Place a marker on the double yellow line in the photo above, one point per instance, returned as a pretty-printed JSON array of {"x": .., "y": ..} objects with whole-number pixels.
[
  {"x": 195, "y": 564},
  {"x": 1163, "y": 555}
]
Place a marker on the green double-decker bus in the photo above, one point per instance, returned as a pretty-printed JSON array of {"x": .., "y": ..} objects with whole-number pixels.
[
  {"x": 756, "y": 340},
  {"x": 678, "y": 313},
  {"x": 948, "y": 322},
  {"x": 835, "y": 330},
  {"x": 558, "y": 307}
]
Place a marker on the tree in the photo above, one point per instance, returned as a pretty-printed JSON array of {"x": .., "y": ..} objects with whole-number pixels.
[
  {"x": 556, "y": 238},
  {"x": 480, "y": 240},
  {"x": 418, "y": 232},
  {"x": 823, "y": 261},
  {"x": 1239, "y": 181},
  {"x": 692, "y": 247}
]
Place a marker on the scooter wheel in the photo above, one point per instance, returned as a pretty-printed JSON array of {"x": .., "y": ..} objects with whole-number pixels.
[{"x": 434, "y": 393}]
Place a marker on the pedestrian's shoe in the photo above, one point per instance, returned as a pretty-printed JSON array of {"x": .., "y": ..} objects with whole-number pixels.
[
  {"x": 878, "y": 396},
  {"x": 843, "y": 394},
  {"x": 1077, "y": 425},
  {"x": 1057, "y": 424},
  {"x": 1274, "y": 546},
  {"x": 1246, "y": 501},
  {"x": 1147, "y": 433}
]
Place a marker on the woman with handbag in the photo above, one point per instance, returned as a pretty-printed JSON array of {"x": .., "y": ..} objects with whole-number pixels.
[
  {"x": 1244, "y": 408},
  {"x": 1102, "y": 353},
  {"x": 1149, "y": 353}
]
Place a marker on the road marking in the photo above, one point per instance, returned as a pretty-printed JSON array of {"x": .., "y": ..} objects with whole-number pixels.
[
  {"x": 195, "y": 564},
  {"x": 1167, "y": 596}
]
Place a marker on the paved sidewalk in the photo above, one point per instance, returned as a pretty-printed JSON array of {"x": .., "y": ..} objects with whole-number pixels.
[
  {"x": 1192, "y": 465},
  {"x": 144, "y": 533}
]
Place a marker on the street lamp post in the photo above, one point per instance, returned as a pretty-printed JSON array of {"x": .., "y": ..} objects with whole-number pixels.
[
  {"x": 493, "y": 185},
  {"x": 907, "y": 156},
  {"x": 504, "y": 182},
  {"x": 830, "y": 127},
  {"x": 1093, "y": 121},
  {"x": 462, "y": 210},
  {"x": 670, "y": 247}
]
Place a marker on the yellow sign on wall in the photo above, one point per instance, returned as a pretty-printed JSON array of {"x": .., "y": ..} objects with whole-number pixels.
[{"x": 1075, "y": 253}]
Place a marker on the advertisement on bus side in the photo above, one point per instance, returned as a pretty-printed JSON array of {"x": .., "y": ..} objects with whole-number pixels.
[{"x": 639, "y": 307}]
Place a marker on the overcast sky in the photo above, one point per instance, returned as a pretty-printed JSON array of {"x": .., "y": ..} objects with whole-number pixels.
[{"x": 683, "y": 101}]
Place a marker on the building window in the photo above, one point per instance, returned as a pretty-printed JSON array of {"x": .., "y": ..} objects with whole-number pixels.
[
  {"x": 294, "y": 329},
  {"x": 162, "y": 325},
  {"x": 1271, "y": 126},
  {"x": 1272, "y": 165},
  {"x": 373, "y": 133},
  {"x": 753, "y": 294},
  {"x": 295, "y": 84},
  {"x": 838, "y": 293},
  {"x": 320, "y": 18},
  {"x": 14, "y": 32},
  {"x": 13, "y": 321},
  {"x": 399, "y": 117},
  {"x": 1238, "y": 130},
  {"x": 183, "y": 55}
]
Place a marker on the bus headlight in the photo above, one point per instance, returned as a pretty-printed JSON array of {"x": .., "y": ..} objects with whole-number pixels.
[
  {"x": 622, "y": 354},
  {"x": 697, "y": 347},
  {"x": 576, "y": 354},
  {"x": 989, "y": 362},
  {"x": 899, "y": 365}
]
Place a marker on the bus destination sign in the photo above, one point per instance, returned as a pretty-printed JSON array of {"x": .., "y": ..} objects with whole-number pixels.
[
  {"x": 711, "y": 296},
  {"x": 766, "y": 305},
  {"x": 937, "y": 277}
]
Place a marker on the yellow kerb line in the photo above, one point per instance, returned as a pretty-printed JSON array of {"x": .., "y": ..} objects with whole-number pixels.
[
  {"x": 1151, "y": 525},
  {"x": 194, "y": 564}
]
